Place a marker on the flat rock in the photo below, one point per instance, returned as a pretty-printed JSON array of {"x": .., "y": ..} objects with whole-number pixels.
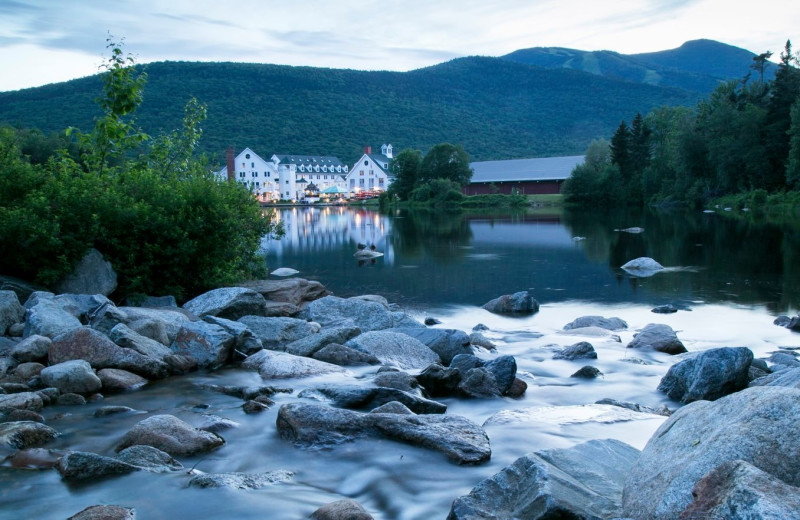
[
  {"x": 597, "y": 321},
  {"x": 395, "y": 349},
  {"x": 78, "y": 466},
  {"x": 171, "y": 435},
  {"x": 708, "y": 375},
  {"x": 103, "y": 512},
  {"x": 281, "y": 365},
  {"x": 332, "y": 311},
  {"x": 658, "y": 337},
  {"x": 227, "y": 302},
  {"x": 240, "y": 480},
  {"x": 447, "y": 343},
  {"x": 296, "y": 291},
  {"x": 21, "y": 401},
  {"x": 276, "y": 333},
  {"x": 47, "y": 318}
]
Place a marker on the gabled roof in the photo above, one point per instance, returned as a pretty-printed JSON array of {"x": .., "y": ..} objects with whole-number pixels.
[
  {"x": 309, "y": 160},
  {"x": 539, "y": 169}
]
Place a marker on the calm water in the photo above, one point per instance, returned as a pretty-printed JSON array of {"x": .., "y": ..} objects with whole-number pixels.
[{"x": 729, "y": 278}]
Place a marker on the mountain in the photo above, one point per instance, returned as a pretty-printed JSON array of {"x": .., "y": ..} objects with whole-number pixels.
[
  {"x": 697, "y": 65},
  {"x": 497, "y": 108}
]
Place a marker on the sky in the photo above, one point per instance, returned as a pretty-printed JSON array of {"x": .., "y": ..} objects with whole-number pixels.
[{"x": 48, "y": 41}]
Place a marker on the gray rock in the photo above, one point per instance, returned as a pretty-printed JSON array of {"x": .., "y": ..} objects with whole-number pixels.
[
  {"x": 70, "y": 399},
  {"x": 100, "y": 352},
  {"x": 101, "y": 512},
  {"x": 153, "y": 302},
  {"x": 21, "y": 401},
  {"x": 643, "y": 267},
  {"x": 658, "y": 337},
  {"x": 581, "y": 350},
  {"x": 296, "y": 291},
  {"x": 440, "y": 381},
  {"x": 784, "y": 359},
  {"x": 47, "y": 318},
  {"x": 82, "y": 306},
  {"x": 346, "y": 509},
  {"x": 126, "y": 337},
  {"x": 25, "y": 371},
  {"x": 332, "y": 311},
  {"x": 636, "y": 407},
  {"x": 736, "y": 489},
  {"x": 245, "y": 341},
  {"x": 789, "y": 377},
  {"x": 309, "y": 345},
  {"x": 149, "y": 459},
  {"x": 479, "y": 340},
  {"x": 171, "y": 319},
  {"x": 664, "y": 309},
  {"x": 355, "y": 397},
  {"x": 116, "y": 380},
  {"x": 504, "y": 369},
  {"x": 227, "y": 302},
  {"x": 240, "y": 480},
  {"x": 80, "y": 465},
  {"x": 398, "y": 380},
  {"x": 447, "y": 343},
  {"x": 104, "y": 411},
  {"x": 170, "y": 434},
  {"x": 11, "y": 312},
  {"x": 32, "y": 348},
  {"x": 394, "y": 348},
  {"x": 597, "y": 321},
  {"x": 19, "y": 435},
  {"x": 587, "y": 372},
  {"x": 392, "y": 407},
  {"x": 208, "y": 344},
  {"x": 276, "y": 333},
  {"x": 521, "y": 302},
  {"x": 401, "y": 319},
  {"x": 74, "y": 376},
  {"x": 461, "y": 440},
  {"x": 709, "y": 375},
  {"x": 281, "y": 365},
  {"x": 106, "y": 318},
  {"x": 478, "y": 382},
  {"x": 582, "y": 482},
  {"x": 21, "y": 288},
  {"x": 152, "y": 329},
  {"x": 429, "y": 320},
  {"x": 344, "y": 356},
  {"x": 757, "y": 425},
  {"x": 92, "y": 275}
]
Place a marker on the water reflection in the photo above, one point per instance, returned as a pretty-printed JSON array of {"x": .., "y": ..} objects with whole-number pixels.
[{"x": 467, "y": 259}]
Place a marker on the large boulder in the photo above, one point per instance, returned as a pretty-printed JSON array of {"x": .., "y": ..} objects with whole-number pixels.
[
  {"x": 658, "y": 336},
  {"x": 227, "y": 302},
  {"x": 48, "y": 318},
  {"x": 736, "y": 489},
  {"x": 92, "y": 275},
  {"x": 355, "y": 397},
  {"x": 149, "y": 459},
  {"x": 394, "y": 348},
  {"x": 296, "y": 291},
  {"x": 206, "y": 343},
  {"x": 100, "y": 352},
  {"x": 281, "y": 365},
  {"x": 709, "y": 375},
  {"x": 597, "y": 321},
  {"x": 21, "y": 401},
  {"x": 333, "y": 311},
  {"x": 11, "y": 312},
  {"x": 461, "y": 440},
  {"x": 448, "y": 343},
  {"x": 344, "y": 356},
  {"x": 19, "y": 435},
  {"x": 171, "y": 319},
  {"x": 584, "y": 482},
  {"x": 80, "y": 465},
  {"x": 757, "y": 425},
  {"x": 116, "y": 380},
  {"x": 75, "y": 376},
  {"x": 521, "y": 302},
  {"x": 276, "y": 333},
  {"x": 171, "y": 435}
]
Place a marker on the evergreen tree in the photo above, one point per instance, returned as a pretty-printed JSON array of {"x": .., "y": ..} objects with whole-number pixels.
[
  {"x": 621, "y": 149},
  {"x": 784, "y": 93}
]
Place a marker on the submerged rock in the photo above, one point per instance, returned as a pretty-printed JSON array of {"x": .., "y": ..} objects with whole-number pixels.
[
  {"x": 240, "y": 480},
  {"x": 171, "y": 435},
  {"x": 597, "y": 321},
  {"x": 79, "y": 465}
]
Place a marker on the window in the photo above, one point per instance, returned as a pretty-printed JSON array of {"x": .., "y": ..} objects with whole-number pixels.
[
  {"x": 255, "y": 174},
  {"x": 352, "y": 183},
  {"x": 361, "y": 173},
  {"x": 380, "y": 181},
  {"x": 287, "y": 182},
  {"x": 243, "y": 166},
  {"x": 360, "y": 182},
  {"x": 266, "y": 174},
  {"x": 366, "y": 163},
  {"x": 252, "y": 164},
  {"x": 241, "y": 174},
  {"x": 247, "y": 156}
]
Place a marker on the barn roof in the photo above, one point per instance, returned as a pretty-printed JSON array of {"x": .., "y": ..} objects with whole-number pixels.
[{"x": 540, "y": 169}]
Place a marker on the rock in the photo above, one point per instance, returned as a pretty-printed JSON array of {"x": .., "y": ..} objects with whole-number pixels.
[
  {"x": 149, "y": 459},
  {"x": 70, "y": 399},
  {"x": 100, "y": 352},
  {"x": 111, "y": 410},
  {"x": 252, "y": 406},
  {"x": 346, "y": 509},
  {"x": 72, "y": 376},
  {"x": 171, "y": 319},
  {"x": 394, "y": 348},
  {"x": 658, "y": 337},
  {"x": 152, "y": 329},
  {"x": 631, "y": 230},
  {"x": 47, "y": 318},
  {"x": 597, "y": 321},
  {"x": 116, "y": 380},
  {"x": 355, "y": 397},
  {"x": 208, "y": 344},
  {"x": 240, "y": 480},
  {"x": 25, "y": 371},
  {"x": 21, "y": 401},
  {"x": 581, "y": 350},
  {"x": 296, "y": 291},
  {"x": 478, "y": 382},
  {"x": 82, "y": 306},
  {"x": 11, "y": 312},
  {"x": 757, "y": 425},
  {"x": 153, "y": 302},
  {"x": 636, "y": 407},
  {"x": 518, "y": 303},
  {"x": 125, "y": 337},
  {"x": 398, "y": 380},
  {"x": 245, "y": 341},
  {"x": 789, "y": 377},
  {"x": 518, "y": 388},
  {"x": 309, "y": 345},
  {"x": 377, "y": 298},
  {"x": 32, "y": 348},
  {"x": 504, "y": 369},
  {"x": 366, "y": 254},
  {"x": 19, "y": 435},
  {"x": 33, "y": 458},
  {"x": 479, "y": 340},
  {"x": 642, "y": 267},
  {"x": 782, "y": 321},
  {"x": 101, "y": 512},
  {"x": 587, "y": 372},
  {"x": 107, "y": 317},
  {"x": 21, "y": 288},
  {"x": 92, "y": 275},
  {"x": 709, "y": 375},
  {"x": 344, "y": 356},
  {"x": 78, "y": 465},
  {"x": 439, "y": 381},
  {"x": 736, "y": 489},
  {"x": 432, "y": 321},
  {"x": 794, "y": 324},
  {"x": 170, "y": 434},
  {"x": 227, "y": 302},
  {"x": 351, "y": 312},
  {"x": 276, "y": 333},
  {"x": 284, "y": 271},
  {"x": 582, "y": 482},
  {"x": 447, "y": 343},
  {"x": 664, "y": 309},
  {"x": 461, "y": 440},
  {"x": 280, "y": 365},
  {"x": 784, "y": 359},
  {"x": 392, "y": 407}
]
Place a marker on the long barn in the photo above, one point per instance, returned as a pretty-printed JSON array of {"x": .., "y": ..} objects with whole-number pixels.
[{"x": 543, "y": 175}]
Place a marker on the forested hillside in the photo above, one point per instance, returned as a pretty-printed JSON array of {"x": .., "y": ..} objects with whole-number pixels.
[{"x": 495, "y": 108}]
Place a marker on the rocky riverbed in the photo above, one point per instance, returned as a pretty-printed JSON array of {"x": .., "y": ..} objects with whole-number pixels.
[{"x": 279, "y": 399}]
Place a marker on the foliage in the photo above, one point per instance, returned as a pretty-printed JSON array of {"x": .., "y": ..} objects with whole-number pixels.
[
  {"x": 437, "y": 192},
  {"x": 406, "y": 170},
  {"x": 446, "y": 161},
  {"x": 495, "y": 200},
  {"x": 165, "y": 223}
]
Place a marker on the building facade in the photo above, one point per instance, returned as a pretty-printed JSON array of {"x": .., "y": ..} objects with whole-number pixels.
[{"x": 370, "y": 174}]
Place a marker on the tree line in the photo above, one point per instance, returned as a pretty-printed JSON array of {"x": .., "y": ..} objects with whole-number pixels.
[{"x": 745, "y": 137}]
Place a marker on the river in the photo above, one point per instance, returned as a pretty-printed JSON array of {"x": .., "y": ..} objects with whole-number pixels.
[{"x": 729, "y": 278}]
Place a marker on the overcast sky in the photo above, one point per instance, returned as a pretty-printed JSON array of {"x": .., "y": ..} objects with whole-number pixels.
[{"x": 45, "y": 41}]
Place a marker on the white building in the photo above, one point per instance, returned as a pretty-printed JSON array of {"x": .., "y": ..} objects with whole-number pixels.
[
  {"x": 371, "y": 172},
  {"x": 254, "y": 172}
]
